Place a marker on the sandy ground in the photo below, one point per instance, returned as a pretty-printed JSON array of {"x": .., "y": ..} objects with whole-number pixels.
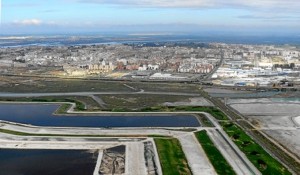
[
  {"x": 225, "y": 91},
  {"x": 268, "y": 109},
  {"x": 274, "y": 122},
  {"x": 288, "y": 138},
  {"x": 265, "y": 100},
  {"x": 252, "y": 100}
]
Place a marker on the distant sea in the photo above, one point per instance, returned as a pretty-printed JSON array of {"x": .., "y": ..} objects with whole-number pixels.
[{"x": 69, "y": 40}]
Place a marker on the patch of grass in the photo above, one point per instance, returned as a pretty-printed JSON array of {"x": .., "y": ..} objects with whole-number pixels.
[
  {"x": 139, "y": 101},
  {"x": 263, "y": 161},
  {"x": 172, "y": 158},
  {"x": 212, "y": 110},
  {"x": 165, "y": 86},
  {"x": 205, "y": 122},
  {"x": 220, "y": 164},
  {"x": 219, "y": 115},
  {"x": 268, "y": 144},
  {"x": 40, "y": 85},
  {"x": 63, "y": 108},
  {"x": 120, "y": 110}
]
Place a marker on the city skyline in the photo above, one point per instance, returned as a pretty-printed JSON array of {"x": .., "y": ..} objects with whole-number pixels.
[{"x": 190, "y": 16}]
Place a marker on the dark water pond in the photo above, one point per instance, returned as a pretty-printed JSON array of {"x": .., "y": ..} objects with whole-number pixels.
[
  {"x": 42, "y": 115},
  {"x": 47, "y": 162}
]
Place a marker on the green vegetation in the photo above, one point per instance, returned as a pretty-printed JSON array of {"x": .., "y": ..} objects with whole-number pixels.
[
  {"x": 205, "y": 122},
  {"x": 48, "y": 85},
  {"x": 63, "y": 108},
  {"x": 165, "y": 87},
  {"x": 138, "y": 101},
  {"x": 219, "y": 115},
  {"x": 44, "y": 84},
  {"x": 171, "y": 156},
  {"x": 212, "y": 110},
  {"x": 220, "y": 164},
  {"x": 79, "y": 105},
  {"x": 268, "y": 144},
  {"x": 263, "y": 161}
]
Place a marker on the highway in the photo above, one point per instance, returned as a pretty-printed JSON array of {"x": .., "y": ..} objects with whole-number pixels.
[{"x": 209, "y": 75}]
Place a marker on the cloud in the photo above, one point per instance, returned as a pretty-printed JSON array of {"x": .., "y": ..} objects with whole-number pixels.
[
  {"x": 50, "y": 11},
  {"x": 153, "y": 3},
  {"x": 6, "y": 5},
  {"x": 252, "y": 4},
  {"x": 268, "y": 17},
  {"x": 266, "y": 5},
  {"x": 28, "y": 22}
]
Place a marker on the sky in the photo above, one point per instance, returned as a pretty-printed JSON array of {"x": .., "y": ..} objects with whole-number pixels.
[{"x": 251, "y": 17}]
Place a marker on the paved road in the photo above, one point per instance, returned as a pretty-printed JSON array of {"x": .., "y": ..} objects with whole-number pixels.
[
  {"x": 15, "y": 142},
  {"x": 238, "y": 161},
  {"x": 135, "y": 161},
  {"x": 100, "y": 102},
  {"x": 240, "y": 164},
  {"x": 209, "y": 75},
  {"x": 92, "y": 93},
  {"x": 195, "y": 155},
  {"x": 98, "y": 164}
]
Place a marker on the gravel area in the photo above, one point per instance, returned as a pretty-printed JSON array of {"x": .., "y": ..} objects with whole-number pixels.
[
  {"x": 276, "y": 109},
  {"x": 225, "y": 91},
  {"x": 288, "y": 138},
  {"x": 199, "y": 101}
]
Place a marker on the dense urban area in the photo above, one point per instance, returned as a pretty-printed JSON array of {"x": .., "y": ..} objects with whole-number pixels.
[
  {"x": 240, "y": 65},
  {"x": 150, "y": 109}
]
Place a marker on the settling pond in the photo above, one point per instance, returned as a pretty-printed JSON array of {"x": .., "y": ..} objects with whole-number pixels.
[
  {"x": 42, "y": 115},
  {"x": 47, "y": 162}
]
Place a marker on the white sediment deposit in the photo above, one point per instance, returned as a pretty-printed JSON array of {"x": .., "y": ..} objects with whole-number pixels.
[
  {"x": 297, "y": 120},
  {"x": 197, "y": 101}
]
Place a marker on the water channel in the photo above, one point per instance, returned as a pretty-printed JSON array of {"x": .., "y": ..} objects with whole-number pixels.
[
  {"x": 42, "y": 115},
  {"x": 47, "y": 162}
]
